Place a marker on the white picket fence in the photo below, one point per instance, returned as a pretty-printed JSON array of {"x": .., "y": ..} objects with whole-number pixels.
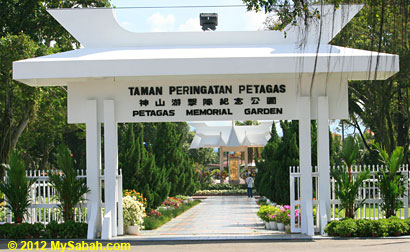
[
  {"x": 44, "y": 204},
  {"x": 368, "y": 191}
]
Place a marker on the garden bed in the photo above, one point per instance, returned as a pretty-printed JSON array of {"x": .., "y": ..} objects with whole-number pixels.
[
  {"x": 164, "y": 215},
  {"x": 225, "y": 192}
]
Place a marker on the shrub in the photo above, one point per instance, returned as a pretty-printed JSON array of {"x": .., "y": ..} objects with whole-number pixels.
[
  {"x": 347, "y": 227},
  {"x": 397, "y": 226},
  {"x": 133, "y": 211},
  {"x": 381, "y": 227},
  {"x": 364, "y": 228},
  {"x": 264, "y": 211},
  {"x": 331, "y": 228},
  {"x": 407, "y": 221},
  {"x": 222, "y": 192},
  {"x": 37, "y": 230},
  {"x": 20, "y": 231},
  {"x": 137, "y": 195},
  {"x": 53, "y": 230}
]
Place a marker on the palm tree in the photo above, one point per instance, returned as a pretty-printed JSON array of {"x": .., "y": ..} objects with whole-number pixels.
[
  {"x": 346, "y": 187},
  {"x": 390, "y": 181},
  {"x": 16, "y": 187},
  {"x": 70, "y": 189}
]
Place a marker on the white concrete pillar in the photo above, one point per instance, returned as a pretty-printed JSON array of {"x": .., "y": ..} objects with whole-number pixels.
[
  {"x": 246, "y": 158},
  {"x": 93, "y": 152},
  {"x": 110, "y": 168},
  {"x": 323, "y": 161},
  {"x": 305, "y": 165},
  {"x": 221, "y": 163}
]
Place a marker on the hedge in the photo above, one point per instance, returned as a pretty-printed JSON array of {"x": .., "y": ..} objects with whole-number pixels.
[
  {"x": 392, "y": 226},
  {"x": 53, "y": 230}
]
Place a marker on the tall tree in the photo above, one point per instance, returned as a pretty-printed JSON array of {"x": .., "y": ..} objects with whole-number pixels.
[
  {"x": 382, "y": 26},
  {"x": 264, "y": 178},
  {"x": 139, "y": 169},
  {"x": 131, "y": 155},
  {"x": 169, "y": 153},
  {"x": 382, "y": 106},
  {"x": 27, "y": 30},
  {"x": 17, "y": 101}
]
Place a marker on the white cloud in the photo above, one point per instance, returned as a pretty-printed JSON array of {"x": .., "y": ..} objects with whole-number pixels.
[
  {"x": 161, "y": 23},
  {"x": 191, "y": 24},
  {"x": 254, "y": 20}
]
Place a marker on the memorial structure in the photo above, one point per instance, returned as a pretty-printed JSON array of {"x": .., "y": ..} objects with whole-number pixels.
[
  {"x": 230, "y": 138},
  {"x": 120, "y": 76}
]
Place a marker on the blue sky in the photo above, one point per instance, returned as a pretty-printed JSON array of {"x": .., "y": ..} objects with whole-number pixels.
[{"x": 156, "y": 19}]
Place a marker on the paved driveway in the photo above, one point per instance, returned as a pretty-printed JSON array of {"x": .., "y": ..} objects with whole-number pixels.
[{"x": 216, "y": 217}]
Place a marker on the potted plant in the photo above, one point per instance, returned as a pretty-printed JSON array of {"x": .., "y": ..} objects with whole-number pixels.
[
  {"x": 283, "y": 217},
  {"x": 263, "y": 214},
  {"x": 272, "y": 218},
  {"x": 133, "y": 212}
]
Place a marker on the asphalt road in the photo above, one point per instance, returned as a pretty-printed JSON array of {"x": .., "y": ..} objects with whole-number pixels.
[{"x": 373, "y": 245}]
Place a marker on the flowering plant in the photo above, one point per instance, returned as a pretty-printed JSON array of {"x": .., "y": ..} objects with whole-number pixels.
[
  {"x": 283, "y": 215},
  {"x": 273, "y": 216},
  {"x": 134, "y": 211},
  {"x": 268, "y": 213},
  {"x": 139, "y": 197},
  {"x": 176, "y": 200},
  {"x": 155, "y": 213},
  {"x": 170, "y": 203}
]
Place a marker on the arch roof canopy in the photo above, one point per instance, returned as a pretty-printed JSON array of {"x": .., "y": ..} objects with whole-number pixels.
[
  {"x": 110, "y": 51},
  {"x": 230, "y": 136}
]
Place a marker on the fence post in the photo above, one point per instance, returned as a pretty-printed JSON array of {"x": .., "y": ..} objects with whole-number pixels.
[
  {"x": 406, "y": 190},
  {"x": 292, "y": 201}
]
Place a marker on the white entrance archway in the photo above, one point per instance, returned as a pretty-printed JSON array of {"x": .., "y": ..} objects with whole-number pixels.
[{"x": 120, "y": 76}]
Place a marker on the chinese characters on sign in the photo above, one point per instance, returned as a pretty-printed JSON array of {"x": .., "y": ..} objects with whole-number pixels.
[{"x": 193, "y": 101}]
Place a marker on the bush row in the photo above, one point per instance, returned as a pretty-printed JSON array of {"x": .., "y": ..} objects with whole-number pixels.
[
  {"x": 53, "y": 230},
  {"x": 221, "y": 192},
  {"x": 223, "y": 187},
  {"x": 392, "y": 226}
]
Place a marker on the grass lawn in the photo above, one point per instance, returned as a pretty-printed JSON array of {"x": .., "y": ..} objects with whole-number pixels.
[
  {"x": 371, "y": 212},
  {"x": 155, "y": 222}
]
